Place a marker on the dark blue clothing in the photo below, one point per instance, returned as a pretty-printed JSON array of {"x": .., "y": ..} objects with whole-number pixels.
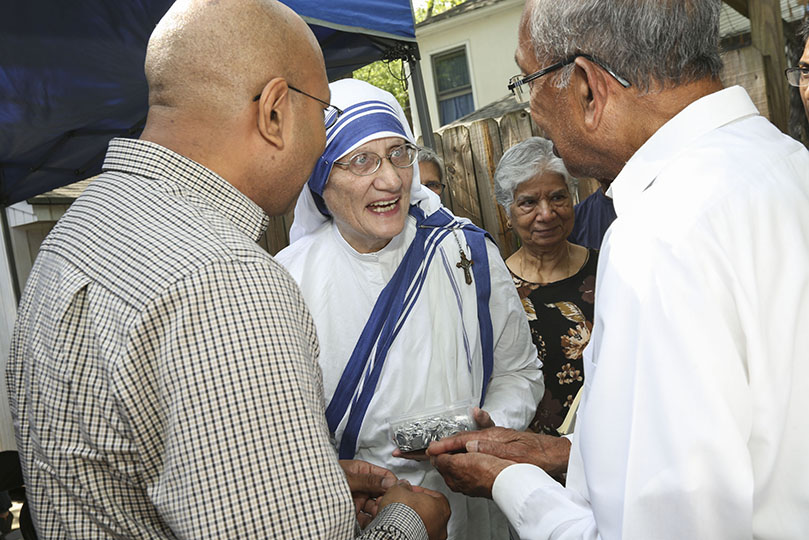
[{"x": 593, "y": 216}]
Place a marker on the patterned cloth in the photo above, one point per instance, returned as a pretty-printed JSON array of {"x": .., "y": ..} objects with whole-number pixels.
[
  {"x": 560, "y": 315},
  {"x": 162, "y": 362}
]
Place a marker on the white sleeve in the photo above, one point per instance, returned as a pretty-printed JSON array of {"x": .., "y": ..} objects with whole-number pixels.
[{"x": 537, "y": 506}]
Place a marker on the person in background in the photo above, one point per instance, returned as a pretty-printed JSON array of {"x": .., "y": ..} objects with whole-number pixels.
[
  {"x": 414, "y": 308},
  {"x": 554, "y": 277},
  {"x": 161, "y": 359},
  {"x": 594, "y": 215},
  {"x": 6, "y": 517},
  {"x": 431, "y": 170},
  {"x": 799, "y": 76},
  {"x": 692, "y": 422}
]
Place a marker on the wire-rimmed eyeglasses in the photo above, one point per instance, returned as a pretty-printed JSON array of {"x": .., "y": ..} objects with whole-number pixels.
[
  {"x": 797, "y": 76},
  {"x": 437, "y": 187},
  {"x": 330, "y": 114},
  {"x": 364, "y": 163},
  {"x": 517, "y": 83}
]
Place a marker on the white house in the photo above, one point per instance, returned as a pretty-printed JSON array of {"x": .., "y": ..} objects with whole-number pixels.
[{"x": 467, "y": 57}]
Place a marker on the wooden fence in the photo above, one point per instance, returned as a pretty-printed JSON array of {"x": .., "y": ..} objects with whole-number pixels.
[{"x": 471, "y": 153}]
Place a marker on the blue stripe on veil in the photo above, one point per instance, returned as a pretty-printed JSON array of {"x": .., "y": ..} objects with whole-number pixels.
[{"x": 390, "y": 312}]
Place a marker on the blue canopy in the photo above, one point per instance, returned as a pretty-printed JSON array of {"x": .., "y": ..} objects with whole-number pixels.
[{"x": 71, "y": 75}]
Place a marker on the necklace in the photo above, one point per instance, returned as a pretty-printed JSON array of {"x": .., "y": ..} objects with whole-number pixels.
[{"x": 464, "y": 263}]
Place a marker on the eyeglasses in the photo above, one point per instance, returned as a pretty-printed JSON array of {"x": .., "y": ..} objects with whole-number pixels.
[
  {"x": 517, "y": 83},
  {"x": 797, "y": 76},
  {"x": 438, "y": 187},
  {"x": 365, "y": 163},
  {"x": 330, "y": 113}
]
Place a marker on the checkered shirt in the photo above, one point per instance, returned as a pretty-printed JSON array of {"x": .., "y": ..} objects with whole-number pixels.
[{"x": 163, "y": 374}]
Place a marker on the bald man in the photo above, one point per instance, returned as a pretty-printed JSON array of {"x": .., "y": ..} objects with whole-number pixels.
[{"x": 162, "y": 363}]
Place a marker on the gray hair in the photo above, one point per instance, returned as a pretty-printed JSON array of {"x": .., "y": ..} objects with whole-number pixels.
[
  {"x": 651, "y": 43},
  {"x": 428, "y": 155},
  {"x": 524, "y": 161}
]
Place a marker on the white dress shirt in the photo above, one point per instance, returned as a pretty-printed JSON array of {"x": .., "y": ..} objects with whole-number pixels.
[{"x": 693, "y": 422}]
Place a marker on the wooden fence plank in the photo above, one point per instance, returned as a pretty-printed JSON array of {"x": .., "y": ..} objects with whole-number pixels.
[
  {"x": 276, "y": 237},
  {"x": 459, "y": 163},
  {"x": 767, "y": 33},
  {"x": 487, "y": 151},
  {"x": 516, "y": 127}
]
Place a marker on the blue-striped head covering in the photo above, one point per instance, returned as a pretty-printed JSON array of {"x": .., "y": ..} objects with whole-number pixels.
[
  {"x": 360, "y": 122},
  {"x": 369, "y": 113}
]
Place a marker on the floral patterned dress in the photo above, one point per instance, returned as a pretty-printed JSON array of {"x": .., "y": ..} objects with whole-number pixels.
[{"x": 560, "y": 315}]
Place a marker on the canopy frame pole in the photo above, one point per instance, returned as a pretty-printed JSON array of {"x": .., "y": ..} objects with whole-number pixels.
[
  {"x": 421, "y": 97},
  {"x": 9, "y": 248}
]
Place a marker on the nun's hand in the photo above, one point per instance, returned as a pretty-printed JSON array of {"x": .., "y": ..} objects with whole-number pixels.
[
  {"x": 482, "y": 418},
  {"x": 416, "y": 455}
]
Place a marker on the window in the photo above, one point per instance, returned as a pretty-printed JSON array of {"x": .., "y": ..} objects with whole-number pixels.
[{"x": 452, "y": 85}]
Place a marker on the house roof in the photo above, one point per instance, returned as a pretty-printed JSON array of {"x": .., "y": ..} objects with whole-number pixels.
[
  {"x": 731, "y": 21},
  {"x": 460, "y": 9},
  {"x": 495, "y": 109},
  {"x": 62, "y": 195}
]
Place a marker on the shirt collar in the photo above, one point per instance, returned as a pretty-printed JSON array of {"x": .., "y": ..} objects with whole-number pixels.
[
  {"x": 150, "y": 160},
  {"x": 700, "y": 117}
]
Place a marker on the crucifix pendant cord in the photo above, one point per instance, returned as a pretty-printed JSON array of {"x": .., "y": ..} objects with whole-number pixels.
[{"x": 464, "y": 263}]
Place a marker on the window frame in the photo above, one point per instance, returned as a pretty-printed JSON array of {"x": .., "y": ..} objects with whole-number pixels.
[{"x": 457, "y": 91}]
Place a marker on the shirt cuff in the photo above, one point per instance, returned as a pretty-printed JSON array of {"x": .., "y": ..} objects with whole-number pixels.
[
  {"x": 396, "y": 521},
  {"x": 514, "y": 485}
]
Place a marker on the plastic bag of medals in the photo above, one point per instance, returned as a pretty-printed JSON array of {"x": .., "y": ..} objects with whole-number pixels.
[{"x": 416, "y": 430}]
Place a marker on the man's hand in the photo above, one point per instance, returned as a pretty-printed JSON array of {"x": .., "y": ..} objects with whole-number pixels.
[
  {"x": 431, "y": 506},
  {"x": 545, "y": 451},
  {"x": 367, "y": 482},
  {"x": 472, "y": 474}
]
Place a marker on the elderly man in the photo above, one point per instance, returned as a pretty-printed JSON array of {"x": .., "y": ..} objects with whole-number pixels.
[
  {"x": 799, "y": 76},
  {"x": 693, "y": 417},
  {"x": 162, "y": 362}
]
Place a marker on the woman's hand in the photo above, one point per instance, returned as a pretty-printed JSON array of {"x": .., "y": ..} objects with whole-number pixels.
[
  {"x": 482, "y": 418},
  {"x": 415, "y": 455}
]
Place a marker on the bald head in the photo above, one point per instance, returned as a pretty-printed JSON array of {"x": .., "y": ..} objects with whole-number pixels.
[{"x": 211, "y": 56}]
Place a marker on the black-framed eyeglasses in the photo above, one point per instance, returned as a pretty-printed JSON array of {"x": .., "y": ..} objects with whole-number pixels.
[
  {"x": 330, "y": 114},
  {"x": 438, "y": 187},
  {"x": 517, "y": 83},
  {"x": 364, "y": 163},
  {"x": 797, "y": 76}
]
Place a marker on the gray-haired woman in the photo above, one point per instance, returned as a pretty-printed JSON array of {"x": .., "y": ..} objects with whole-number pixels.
[
  {"x": 555, "y": 278},
  {"x": 431, "y": 169}
]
